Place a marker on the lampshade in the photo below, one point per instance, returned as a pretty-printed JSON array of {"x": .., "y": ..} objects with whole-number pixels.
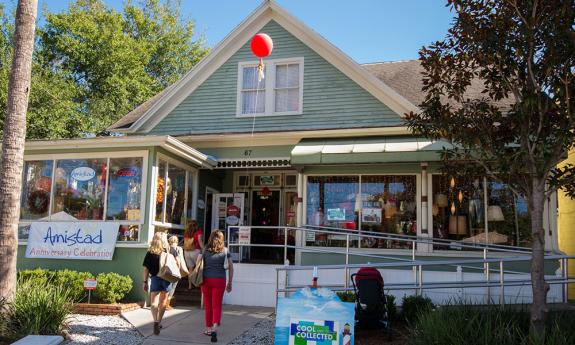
[
  {"x": 358, "y": 202},
  {"x": 435, "y": 210},
  {"x": 441, "y": 200},
  {"x": 457, "y": 225},
  {"x": 494, "y": 214}
]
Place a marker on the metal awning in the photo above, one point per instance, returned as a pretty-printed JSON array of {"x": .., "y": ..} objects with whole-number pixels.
[{"x": 366, "y": 150}]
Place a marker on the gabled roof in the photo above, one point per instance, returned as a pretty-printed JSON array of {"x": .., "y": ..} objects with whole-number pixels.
[
  {"x": 149, "y": 114},
  {"x": 406, "y": 78}
]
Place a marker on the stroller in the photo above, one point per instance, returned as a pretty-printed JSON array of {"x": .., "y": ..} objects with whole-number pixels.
[{"x": 370, "y": 303}]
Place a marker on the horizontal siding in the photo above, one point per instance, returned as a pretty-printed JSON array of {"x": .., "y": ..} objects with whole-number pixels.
[{"x": 331, "y": 100}]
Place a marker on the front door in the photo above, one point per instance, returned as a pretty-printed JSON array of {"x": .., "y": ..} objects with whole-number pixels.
[
  {"x": 265, "y": 213},
  {"x": 227, "y": 210}
]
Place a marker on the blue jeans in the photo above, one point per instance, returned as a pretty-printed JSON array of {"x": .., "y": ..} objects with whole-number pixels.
[{"x": 159, "y": 285}]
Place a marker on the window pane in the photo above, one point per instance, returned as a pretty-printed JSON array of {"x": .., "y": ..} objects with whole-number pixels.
[
  {"x": 388, "y": 205},
  {"x": 175, "y": 195},
  {"x": 508, "y": 216},
  {"x": 287, "y": 76},
  {"x": 331, "y": 202},
  {"x": 250, "y": 79},
  {"x": 287, "y": 100},
  {"x": 128, "y": 232},
  {"x": 160, "y": 191},
  {"x": 458, "y": 210},
  {"x": 253, "y": 102},
  {"x": 79, "y": 189},
  {"x": 36, "y": 189},
  {"x": 124, "y": 189}
]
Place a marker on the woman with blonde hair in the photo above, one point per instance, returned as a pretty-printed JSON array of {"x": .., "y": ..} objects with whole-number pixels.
[
  {"x": 193, "y": 246},
  {"x": 215, "y": 257},
  {"x": 158, "y": 287}
]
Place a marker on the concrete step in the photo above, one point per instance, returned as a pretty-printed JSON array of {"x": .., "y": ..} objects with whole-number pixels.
[{"x": 40, "y": 340}]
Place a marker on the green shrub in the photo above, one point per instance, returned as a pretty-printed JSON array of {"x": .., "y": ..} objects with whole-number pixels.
[
  {"x": 112, "y": 287},
  {"x": 37, "y": 309},
  {"x": 73, "y": 281},
  {"x": 391, "y": 307},
  {"x": 470, "y": 325},
  {"x": 346, "y": 296},
  {"x": 415, "y": 306},
  {"x": 39, "y": 276}
]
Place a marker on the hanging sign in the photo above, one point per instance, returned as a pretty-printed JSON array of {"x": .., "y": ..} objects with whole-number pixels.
[
  {"x": 244, "y": 235},
  {"x": 83, "y": 174},
  {"x": 72, "y": 240},
  {"x": 201, "y": 204},
  {"x": 232, "y": 220}
]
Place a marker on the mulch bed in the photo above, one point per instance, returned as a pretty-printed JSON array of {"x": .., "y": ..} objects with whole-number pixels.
[{"x": 379, "y": 337}]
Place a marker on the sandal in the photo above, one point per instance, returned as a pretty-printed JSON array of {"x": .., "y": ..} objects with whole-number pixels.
[
  {"x": 208, "y": 333},
  {"x": 214, "y": 338}
]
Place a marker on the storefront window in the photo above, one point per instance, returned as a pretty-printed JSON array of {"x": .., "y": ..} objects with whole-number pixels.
[
  {"x": 331, "y": 203},
  {"x": 161, "y": 188},
  {"x": 175, "y": 195},
  {"x": 388, "y": 205},
  {"x": 35, "y": 201},
  {"x": 508, "y": 216},
  {"x": 172, "y": 211},
  {"x": 458, "y": 209},
  {"x": 128, "y": 232},
  {"x": 124, "y": 190},
  {"x": 79, "y": 191}
]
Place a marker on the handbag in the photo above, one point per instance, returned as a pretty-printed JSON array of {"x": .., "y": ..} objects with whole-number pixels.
[
  {"x": 197, "y": 274},
  {"x": 169, "y": 268},
  {"x": 182, "y": 263}
]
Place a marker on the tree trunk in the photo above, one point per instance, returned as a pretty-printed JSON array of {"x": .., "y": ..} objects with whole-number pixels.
[
  {"x": 13, "y": 144},
  {"x": 539, "y": 286}
]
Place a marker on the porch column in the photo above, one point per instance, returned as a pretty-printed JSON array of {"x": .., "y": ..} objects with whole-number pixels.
[
  {"x": 299, "y": 237},
  {"x": 421, "y": 247}
]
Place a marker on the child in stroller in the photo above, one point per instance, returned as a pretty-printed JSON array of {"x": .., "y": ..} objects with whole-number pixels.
[{"x": 370, "y": 302}]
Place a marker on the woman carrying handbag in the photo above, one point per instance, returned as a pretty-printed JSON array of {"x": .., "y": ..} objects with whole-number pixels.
[{"x": 216, "y": 260}]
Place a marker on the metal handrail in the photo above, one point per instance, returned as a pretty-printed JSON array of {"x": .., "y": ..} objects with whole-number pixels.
[{"x": 419, "y": 285}]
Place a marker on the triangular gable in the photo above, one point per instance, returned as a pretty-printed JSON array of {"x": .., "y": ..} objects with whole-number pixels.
[{"x": 265, "y": 13}]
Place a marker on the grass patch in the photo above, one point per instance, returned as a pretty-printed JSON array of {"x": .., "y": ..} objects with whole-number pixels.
[{"x": 468, "y": 324}]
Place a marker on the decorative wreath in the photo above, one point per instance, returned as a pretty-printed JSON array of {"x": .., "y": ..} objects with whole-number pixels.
[{"x": 38, "y": 201}]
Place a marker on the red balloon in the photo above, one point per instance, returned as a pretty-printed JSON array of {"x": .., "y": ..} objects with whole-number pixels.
[{"x": 262, "y": 45}]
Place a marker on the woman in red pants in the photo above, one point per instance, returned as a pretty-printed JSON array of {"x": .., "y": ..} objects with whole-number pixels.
[{"x": 216, "y": 262}]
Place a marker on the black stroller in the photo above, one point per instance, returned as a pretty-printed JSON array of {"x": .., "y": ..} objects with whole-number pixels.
[{"x": 370, "y": 302}]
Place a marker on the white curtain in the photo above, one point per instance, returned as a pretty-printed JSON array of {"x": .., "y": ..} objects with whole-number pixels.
[
  {"x": 253, "y": 91},
  {"x": 287, "y": 88}
]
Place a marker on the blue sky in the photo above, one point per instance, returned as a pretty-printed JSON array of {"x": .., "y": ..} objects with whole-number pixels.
[{"x": 366, "y": 30}]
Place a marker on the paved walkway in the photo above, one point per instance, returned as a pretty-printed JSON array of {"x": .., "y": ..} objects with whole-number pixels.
[{"x": 185, "y": 325}]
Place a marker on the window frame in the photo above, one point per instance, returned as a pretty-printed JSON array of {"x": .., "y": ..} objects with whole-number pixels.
[
  {"x": 94, "y": 155},
  {"x": 191, "y": 172},
  {"x": 270, "y": 87}
]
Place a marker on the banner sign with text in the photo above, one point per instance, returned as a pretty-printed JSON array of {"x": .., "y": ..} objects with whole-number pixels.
[
  {"x": 72, "y": 240},
  {"x": 314, "y": 317}
]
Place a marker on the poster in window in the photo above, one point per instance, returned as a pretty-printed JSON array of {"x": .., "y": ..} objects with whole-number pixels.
[
  {"x": 266, "y": 180},
  {"x": 336, "y": 214},
  {"x": 371, "y": 215}
]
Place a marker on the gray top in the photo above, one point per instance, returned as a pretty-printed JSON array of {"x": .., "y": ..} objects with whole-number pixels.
[{"x": 214, "y": 264}]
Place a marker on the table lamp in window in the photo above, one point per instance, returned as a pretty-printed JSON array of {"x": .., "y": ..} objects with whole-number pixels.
[{"x": 495, "y": 214}]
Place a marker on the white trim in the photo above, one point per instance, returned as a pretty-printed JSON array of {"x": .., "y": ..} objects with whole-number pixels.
[
  {"x": 269, "y": 87},
  {"x": 285, "y": 138},
  {"x": 266, "y": 12},
  {"x": 166, "y": 142}
]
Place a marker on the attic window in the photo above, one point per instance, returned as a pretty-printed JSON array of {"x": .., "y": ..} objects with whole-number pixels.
[{"x": 280, "y": 92}]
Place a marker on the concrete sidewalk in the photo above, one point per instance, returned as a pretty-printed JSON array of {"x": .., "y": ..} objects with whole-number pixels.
[{"x": 185, "y": 325}]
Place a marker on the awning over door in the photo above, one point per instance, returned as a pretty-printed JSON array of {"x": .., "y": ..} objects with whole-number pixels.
[{"x": 366, "y": 150}]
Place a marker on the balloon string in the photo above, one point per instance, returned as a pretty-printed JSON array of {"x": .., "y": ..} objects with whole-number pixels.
[{"x": 260, "y": 78}]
